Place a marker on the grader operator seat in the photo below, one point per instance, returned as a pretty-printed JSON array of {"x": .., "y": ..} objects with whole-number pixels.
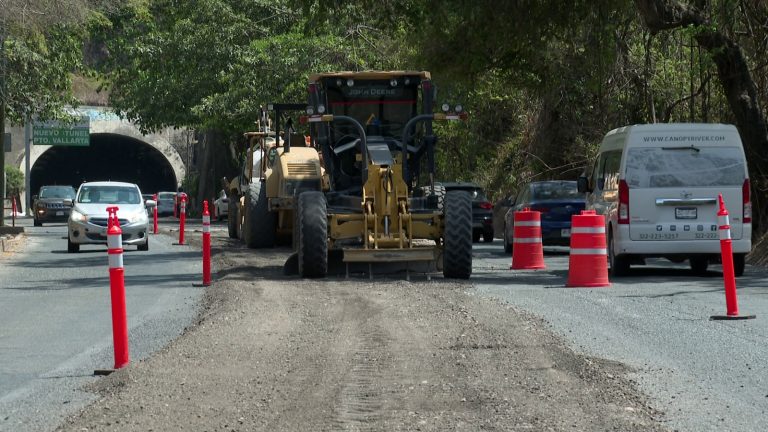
[{"x": 383, "y": 104}]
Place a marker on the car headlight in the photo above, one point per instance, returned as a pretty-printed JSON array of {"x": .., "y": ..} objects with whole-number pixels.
[
  {"x": 77, "y": 216},
  {"x": 138, "y": 217}
]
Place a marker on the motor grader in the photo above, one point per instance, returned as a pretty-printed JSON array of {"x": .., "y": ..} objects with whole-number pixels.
[
  {"x": 374, "y": 133},
  {"x": 278, "y": 166}
]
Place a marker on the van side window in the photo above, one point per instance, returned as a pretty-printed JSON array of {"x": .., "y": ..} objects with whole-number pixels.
[
  {"x": 610, "y": 171},
  {"x": 595, "y": 173}
]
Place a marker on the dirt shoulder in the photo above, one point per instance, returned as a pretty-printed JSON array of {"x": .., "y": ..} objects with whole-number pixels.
[{"x": 276, "y": 353}]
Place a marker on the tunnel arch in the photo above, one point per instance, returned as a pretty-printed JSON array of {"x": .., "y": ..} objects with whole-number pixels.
[{"x": 111, "y": 156}]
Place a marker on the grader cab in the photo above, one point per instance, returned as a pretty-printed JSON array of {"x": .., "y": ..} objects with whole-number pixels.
[{"x": 374, "y": 134}]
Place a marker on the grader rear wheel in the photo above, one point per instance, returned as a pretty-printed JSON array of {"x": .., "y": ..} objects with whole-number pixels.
[
  {"x": 312, "y": 231},
  {"x": 457, "y": 250},
  {"x": 233, "y": 217}
]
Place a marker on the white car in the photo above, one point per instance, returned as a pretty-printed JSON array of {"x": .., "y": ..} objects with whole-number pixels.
[
  {"x": 221, "y": 206},
  {"x": 87, "y": 222}
]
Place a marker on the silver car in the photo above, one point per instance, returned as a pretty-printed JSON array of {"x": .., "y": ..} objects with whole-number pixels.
[{"x": 87, "y": 222}]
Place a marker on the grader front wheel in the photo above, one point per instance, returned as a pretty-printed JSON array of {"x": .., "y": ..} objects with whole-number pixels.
[
  {"x": 312, "y": 231},
  {"x": 457, "y": 249}
]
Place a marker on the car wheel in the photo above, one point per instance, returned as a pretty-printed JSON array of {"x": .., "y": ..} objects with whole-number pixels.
[
  {"x": 507, "y": 243},
  {"x": 488, "y": 237},
  {"x": 144, "y": 247},
  {"x": 699, "y": 265},
  {"x": 739, "y": 262},
  {"x": 618, "y": 265},
  {"x": 72, "y": 247},
  {"x": 38, "y": 223},
  {"x": 476, "y": 236}
]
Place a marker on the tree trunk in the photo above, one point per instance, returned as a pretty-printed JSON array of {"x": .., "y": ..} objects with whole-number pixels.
[
  {"x": 213, "y": 153},
  {"x": 2, "y": 156},
  {"x": 736, "y": 80}
]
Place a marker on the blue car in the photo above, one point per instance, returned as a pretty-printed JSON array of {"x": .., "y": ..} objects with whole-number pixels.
[{"x": 557, "y": 201}]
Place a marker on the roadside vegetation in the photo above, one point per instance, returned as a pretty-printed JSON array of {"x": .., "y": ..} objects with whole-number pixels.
[{"x": 542, "y": 80}]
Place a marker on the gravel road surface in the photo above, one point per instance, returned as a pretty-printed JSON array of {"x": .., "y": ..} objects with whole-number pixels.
[
  {"x": 705, "y": 375},
  {"x": 273, "y": 353},
  {"x": 55, "y": 321}
]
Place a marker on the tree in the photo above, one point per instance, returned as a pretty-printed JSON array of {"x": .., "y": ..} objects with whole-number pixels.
[
  {"x": 209, "y": 66},
  {"x": 734, "y": 76},
  {"x": 40, "y": 46}
]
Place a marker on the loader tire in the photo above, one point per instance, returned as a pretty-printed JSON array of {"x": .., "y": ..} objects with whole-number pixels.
[
  {"x": 260, "y": 223},
  {"x": 439, "y": 193},
  {"x": 312, "y": 227},
  {"x": 233, "y": 217},
  {"x": 457, "y": 249}
]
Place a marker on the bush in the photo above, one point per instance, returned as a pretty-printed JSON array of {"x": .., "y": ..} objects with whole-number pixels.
[{"x": 14, "y": 180}]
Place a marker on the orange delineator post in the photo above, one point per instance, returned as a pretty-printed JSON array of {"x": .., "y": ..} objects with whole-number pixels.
[
  {"x": 182, "y": 218},
  {"x": 587, "y": 263},
  {"x": 117, "y": 289},
  {"x": 527, "y": 249},
  {"x": 729, "y": 276},
  {"x": 154, "y": 215},
  {"x": 206, "y": 245}
]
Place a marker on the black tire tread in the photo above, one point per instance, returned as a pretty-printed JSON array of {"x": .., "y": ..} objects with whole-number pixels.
[
  {"x": 72, "y": 247},
  {"x": 312, "y": 218},
  {"x": 232, "y": 217},
  {"x": 260, "y": 223},
  {"x": 457, "y": 249}
]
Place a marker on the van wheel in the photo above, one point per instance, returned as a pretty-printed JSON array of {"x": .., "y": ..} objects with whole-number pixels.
[
  {"x": 619, "y": 265},
  {"x": 739, "y": 261},
  {"x": 699, "y": 265}
]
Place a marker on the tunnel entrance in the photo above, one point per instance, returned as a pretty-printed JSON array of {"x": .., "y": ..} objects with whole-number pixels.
[{"x": 109, "y": 157}]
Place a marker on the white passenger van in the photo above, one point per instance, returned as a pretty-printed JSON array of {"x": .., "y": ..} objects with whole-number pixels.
[{"x": 657, "y": 186}]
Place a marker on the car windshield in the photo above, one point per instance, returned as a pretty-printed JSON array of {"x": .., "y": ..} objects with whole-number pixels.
[
  {"x": 109, "y": 195},
  {"x": 165, "y": 195},
  {"x": 658, "y": 167},
  {"x": 556, "y": 191},
  {"x": 57, "y": 192}
]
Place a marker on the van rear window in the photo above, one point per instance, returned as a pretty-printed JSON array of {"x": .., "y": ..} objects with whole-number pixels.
[{"x": 659, "y": 167}]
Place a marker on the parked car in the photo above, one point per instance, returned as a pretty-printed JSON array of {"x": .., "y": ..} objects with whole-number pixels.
[
  {"x": 658, "y": 187},
  {"x": 165, "y": 203},
  {"x": 51, "y": 205},
  {"x": 482, "y": 210},
  {"x": 557, "y": 201},
  {"x": 221, "y": 206},
  {"x": 88, "y": 219}
]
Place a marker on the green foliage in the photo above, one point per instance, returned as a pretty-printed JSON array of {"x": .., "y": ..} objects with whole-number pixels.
[
  {"x": 14, "y": 179},
  {"x": 543, "y": 80}
]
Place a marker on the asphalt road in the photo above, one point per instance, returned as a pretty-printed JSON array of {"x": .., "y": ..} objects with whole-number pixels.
[
  {"x": 704, "y": 375},
  {"x": 55, "y": 321}
]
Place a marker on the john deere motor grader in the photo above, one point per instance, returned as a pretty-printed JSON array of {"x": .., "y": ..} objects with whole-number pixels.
[
  {"x": 374, "y": 133},
  {"x": 277, "y": 167}
]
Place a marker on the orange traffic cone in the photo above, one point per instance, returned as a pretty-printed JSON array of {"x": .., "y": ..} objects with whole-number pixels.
[
  {"x": 588, "y": 263},
  {"x": 527, "y": 251}
]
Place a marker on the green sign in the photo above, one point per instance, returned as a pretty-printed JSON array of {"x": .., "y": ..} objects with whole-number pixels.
[{"x": 57, "y": 133}]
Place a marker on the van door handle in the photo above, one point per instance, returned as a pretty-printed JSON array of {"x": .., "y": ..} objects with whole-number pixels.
[{"x": 686, "y": 201}]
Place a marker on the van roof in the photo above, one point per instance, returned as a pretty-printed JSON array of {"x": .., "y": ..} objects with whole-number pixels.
[{"x": 674, "y": 127}]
